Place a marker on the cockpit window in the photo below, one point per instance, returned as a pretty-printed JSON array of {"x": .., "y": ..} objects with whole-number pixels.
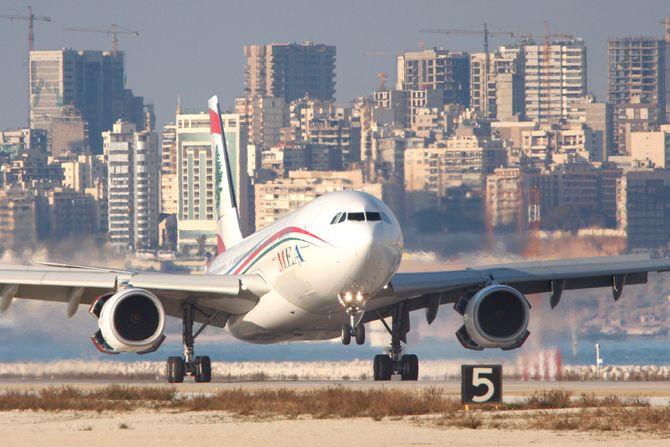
[
  {"x": 370, "y": 216},
  {"x": 373, "y": 216}
]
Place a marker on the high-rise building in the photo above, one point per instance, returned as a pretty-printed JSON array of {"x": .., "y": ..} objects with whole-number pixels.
[
  {"x": 436, "y": 69},
  {"x": 169, "y": 183},
  {"x": 637, "y": 67},
  {"x": 91, "y": 81},
  {"x": 290, "y": 70},
  {"x": 133, "y": 178},
  {"x": 502, "y": 98},
  {"x": 637, "y": 70},
  {"x": 196, "y": 215},
  {"x": 554, "y": 76}
]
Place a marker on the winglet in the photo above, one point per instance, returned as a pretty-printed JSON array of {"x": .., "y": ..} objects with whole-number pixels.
[{"x": 228, "y": 231}]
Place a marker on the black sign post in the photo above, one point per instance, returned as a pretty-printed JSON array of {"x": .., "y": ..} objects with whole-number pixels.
[{"x": 481, "y": 384}]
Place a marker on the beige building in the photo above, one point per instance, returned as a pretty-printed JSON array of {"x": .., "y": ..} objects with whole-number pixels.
[
  {"x": 507, "y": 197},
  {"x": 651, "y": 148},
  {"x": 499, "y": 94},
  {"x": 83, "y": 172},
  {"x": 463, "y": 160},
  {"x": 264, "y": 117},
  {"x": 17, "y": 218},
  {"x": 279, "y": 197},
  {"x": 598, "y": 117}
]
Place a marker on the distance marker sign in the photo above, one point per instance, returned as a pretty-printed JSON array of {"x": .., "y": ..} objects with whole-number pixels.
[{"x": 481, "y": 384}]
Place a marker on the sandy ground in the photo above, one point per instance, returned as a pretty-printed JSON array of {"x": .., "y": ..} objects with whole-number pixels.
[{"x": 214, "y": 429}]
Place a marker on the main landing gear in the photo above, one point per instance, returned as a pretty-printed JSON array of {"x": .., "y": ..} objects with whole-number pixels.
[
  {"x": 395, "y": 362},
  {"x": 199, "y": 367}
]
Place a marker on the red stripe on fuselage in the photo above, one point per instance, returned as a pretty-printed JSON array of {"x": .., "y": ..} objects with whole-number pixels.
[
  {"x": 272, "y": 239},
  {"x": 214, "y": 124}
]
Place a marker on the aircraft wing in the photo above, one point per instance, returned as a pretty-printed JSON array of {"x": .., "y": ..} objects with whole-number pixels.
[
  {"x": 429, "y": 289},
  {"x": 216, "y": 296}
]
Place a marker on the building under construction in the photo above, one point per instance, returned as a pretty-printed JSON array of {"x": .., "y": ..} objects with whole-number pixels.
[
  {"x": 93, "y": 82},
  {"x": 637, "y": 73},
  {"x": 437, "y": 70},
  {"x": 290, "y": 71}
]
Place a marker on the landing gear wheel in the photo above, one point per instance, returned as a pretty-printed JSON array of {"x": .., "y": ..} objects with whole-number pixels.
[
  {"x": 346, "y": 334},
  {"x": 410, "y": 367},
  {"x": 382, "y": 367},
  {"x": 359, "y": 334},
  {"x": 176, "y": 370},
  {"x": 189, "y": 365},
  {"x": 203, "y": 369}
]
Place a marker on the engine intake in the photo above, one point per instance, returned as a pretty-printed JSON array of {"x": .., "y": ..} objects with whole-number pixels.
[
  {"x": 494, "y": 317},
  {"x": 132, "y": 320}
]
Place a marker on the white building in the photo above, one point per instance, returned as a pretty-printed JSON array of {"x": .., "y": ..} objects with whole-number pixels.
[
  {"x": 133, "y": 179},
  {"x": 554, "y": 76},
  {"x": 196, "y": 215}
]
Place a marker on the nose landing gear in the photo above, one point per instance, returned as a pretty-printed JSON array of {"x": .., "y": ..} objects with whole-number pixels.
[{"x": 354, "y": 306}]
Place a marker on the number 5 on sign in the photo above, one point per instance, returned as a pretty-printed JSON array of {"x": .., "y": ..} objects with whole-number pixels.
[{"x": 481, "y": 384}]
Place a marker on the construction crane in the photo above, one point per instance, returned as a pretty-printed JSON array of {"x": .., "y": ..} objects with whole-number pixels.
[
  {"x": 114, "y": 30},
  {"x": 31, "y": 19},
  {"x": 487, "y": 58}
]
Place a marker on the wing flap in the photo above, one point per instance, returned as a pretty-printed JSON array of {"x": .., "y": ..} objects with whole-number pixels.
[
  {"x": 527, "y": 277},
  {"x": 220, "y": 295}
]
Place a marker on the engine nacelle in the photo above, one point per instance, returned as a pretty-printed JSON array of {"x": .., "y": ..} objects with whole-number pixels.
[
  {"x": 494, "y": 317},
  {"x": 131, "y": 320}
]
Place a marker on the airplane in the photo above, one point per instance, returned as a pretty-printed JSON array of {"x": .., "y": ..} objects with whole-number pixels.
[{"x": 321, "y": 272}]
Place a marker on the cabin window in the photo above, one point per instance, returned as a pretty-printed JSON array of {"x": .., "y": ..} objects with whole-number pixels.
[
  {"x": 343, "y": 217},
  {"x": 359, "y": 217},
  {"x": 336, "y": 218},
  {"x": 385, "y": 218}
]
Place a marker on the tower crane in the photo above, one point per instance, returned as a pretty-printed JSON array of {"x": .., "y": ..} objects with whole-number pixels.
[
  {"x": 114, "y": 30},
  {"x": 487, "y": 58},
  {"x": 31, "y": 19}
]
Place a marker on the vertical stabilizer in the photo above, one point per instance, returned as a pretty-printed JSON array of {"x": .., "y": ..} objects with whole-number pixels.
[{"x": 228, "y": 231}]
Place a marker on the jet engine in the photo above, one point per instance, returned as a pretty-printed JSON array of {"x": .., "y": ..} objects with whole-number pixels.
[
  {"x": 494, "y": 317},
  {"x": 131, "y": 320}
]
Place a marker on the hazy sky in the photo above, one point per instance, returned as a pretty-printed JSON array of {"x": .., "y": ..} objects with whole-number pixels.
[{"x": 194, "y": 48}]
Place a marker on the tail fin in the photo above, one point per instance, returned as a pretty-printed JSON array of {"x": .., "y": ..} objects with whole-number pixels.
[{"x": 228, "y": 231}]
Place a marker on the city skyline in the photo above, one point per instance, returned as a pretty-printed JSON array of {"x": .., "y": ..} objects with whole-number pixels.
[{"x": 183, "y": 62}]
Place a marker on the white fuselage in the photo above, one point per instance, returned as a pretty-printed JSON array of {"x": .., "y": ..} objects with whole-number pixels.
[{"x": 308, "y": 261}]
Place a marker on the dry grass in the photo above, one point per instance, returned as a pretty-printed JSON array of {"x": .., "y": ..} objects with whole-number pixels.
[{"x": 552, "y": 410}]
